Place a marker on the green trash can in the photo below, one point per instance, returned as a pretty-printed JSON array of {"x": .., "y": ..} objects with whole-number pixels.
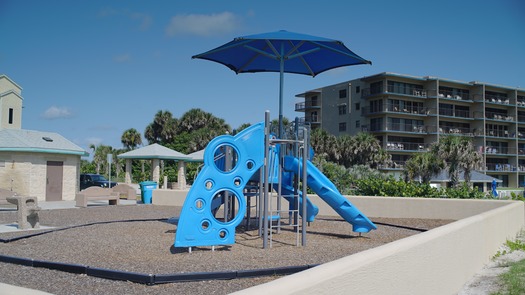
[{"x": 146, "y": 191}]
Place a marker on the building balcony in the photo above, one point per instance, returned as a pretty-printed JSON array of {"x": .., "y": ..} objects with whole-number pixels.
[
  {"x": 304, "y": 106},
  {"x": 418, "y": 111},
  {"x": 493, "y": 99},
  {"x": 407, "y": 146},
  {"x": 492, "y": 116},
  {"x": 502, "y": 167},
  {"x": 395, "y": 165},
  {"x": 462, "y": 114},
  {"x": 395, "y": 127},
  {"x": 452, "y": 96},
  {"x": 310, "y": 119},
  {"x": 500, "y": 117},
  {"x": 499, "y": 150},
  {"x": 408, "y": 92},
  {"x": 450, "y": 130},
  {"x": 499, "y": 133}
]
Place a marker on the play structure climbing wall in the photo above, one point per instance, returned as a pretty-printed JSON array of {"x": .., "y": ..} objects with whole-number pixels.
[{"x": 229, "y": 163}]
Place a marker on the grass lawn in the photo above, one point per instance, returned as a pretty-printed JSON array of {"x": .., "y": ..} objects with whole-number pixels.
[{"x": 513, "y": 280}]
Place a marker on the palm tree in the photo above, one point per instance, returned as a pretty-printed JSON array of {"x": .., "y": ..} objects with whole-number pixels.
[
  {"x": 196, "y": 119},
  {"x": 324, "y": 144},
  {"x": 365, "y": 149},
  {"x": 422, "y": 166},
  {"x": 242, "y": 127},
  {"x": 163, "y": 128},
  {"x": 131, "y": 138},
  {"x": 100, "y": 156},
  {"x": 456, "y": 154}
]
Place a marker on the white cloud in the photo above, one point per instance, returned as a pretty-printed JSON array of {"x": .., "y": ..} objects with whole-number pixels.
[
  {"x": 57, "y": 113},
  {"x": 202, "y": 24},
  {"x": 122, "y": 58},
  {"x": 143, "y": 19}
]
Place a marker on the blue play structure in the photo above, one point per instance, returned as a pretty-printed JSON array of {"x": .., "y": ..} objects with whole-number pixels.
[{"x": 233, "y": 162}]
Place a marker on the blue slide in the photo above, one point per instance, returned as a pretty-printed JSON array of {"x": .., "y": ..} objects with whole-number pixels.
[
  {"x": 288, "y": 190},
  {"x": 327, "y": 191}
]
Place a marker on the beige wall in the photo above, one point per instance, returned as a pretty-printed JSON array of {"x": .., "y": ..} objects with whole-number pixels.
[
  {"x": 438, "y": 261},
  {"x": 28, "y": 172}
]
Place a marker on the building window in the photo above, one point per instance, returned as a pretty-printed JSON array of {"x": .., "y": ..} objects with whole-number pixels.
[
  {"x": 314, "y": 101},
  {"x": 404, "y": 88},
  {"x": 342, "y": 109},
  {"x": 342, "y": 93},
  {"x": 10, "y": 116},
  {"x": 376, "y": 87},
  {"x": 357, "y": 106},
  {"x": 357, "y": 124},
  {"x": 342, "y": 126},
  {"x": 357, "y": 89}
]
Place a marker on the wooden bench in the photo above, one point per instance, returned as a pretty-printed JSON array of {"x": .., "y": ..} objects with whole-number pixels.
[
  {"x": 125, "y": 191},
  {"x": 95, "y": 193}
]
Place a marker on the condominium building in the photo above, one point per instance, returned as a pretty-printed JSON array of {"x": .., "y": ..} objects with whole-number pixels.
[{"x": 408, "y": 113}]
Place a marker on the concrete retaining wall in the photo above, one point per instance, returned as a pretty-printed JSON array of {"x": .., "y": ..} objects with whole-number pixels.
[
  {"x": 168, "y": 197},
  {"x": 439, "y": 261}
]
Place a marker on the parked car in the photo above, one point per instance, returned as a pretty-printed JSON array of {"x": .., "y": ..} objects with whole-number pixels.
[{"x": 87, "y": 180}]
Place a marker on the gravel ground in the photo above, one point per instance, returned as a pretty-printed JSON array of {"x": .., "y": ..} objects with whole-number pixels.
[{"x": 147, "y": 247}]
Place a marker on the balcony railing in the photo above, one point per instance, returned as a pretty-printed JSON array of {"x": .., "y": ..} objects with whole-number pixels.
[
  {"x": 502, "y": 167},
  {"x": 415, "y": 92},
  {"x": 405, "y": 128},
  {"x": 310, "y": 119},
  {"x": 406, "y": 146},
  {"x": 500, "y": 99},
  {"x": 306, "y": 105},
  {"x": 498, "y": 133},
  {"x": 445, "y": 94},
  {"x": 396, "y": 109},
  {"x": 451, "y": 130},
  {"x": 454, "y": 113},
  {"x": 499, "y": 150},
  {"x": 394, "y": 165},
  {"x": 498, "y": 117}
]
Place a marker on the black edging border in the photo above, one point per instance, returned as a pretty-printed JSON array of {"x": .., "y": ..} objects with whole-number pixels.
[
  {"x": 153, "y": 279},
  {"x": 149, "y": 279}
]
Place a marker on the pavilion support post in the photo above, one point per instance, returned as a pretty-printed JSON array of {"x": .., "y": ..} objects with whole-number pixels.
[
  {"x": 128, "y": 171},
  {"x": 181, "y": 175},
  {"x": 156, "y": 170}
]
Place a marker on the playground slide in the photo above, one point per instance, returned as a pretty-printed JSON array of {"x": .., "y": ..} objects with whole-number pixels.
[
  {"x": 327, "y": 191},
  {"x": 311, "y": 209}
]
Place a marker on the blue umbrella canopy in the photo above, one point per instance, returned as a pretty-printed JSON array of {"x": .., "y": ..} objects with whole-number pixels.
[
  {"x": 283, "y": 52},
  {"x": 298, "y": 53}
]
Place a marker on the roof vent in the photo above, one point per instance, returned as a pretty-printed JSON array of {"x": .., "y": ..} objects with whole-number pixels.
[{"x": 48, "y": 139}]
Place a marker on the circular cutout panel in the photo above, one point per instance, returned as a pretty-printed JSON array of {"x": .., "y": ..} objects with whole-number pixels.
[
  {"x": 225, "y": 206},
  {"x": 226, "y": 157}
]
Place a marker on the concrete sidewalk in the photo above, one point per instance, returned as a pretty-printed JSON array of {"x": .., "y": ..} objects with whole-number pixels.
[{"x": 10, "y": 289}]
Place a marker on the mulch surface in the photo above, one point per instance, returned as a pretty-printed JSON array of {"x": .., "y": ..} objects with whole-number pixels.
[{"x": 142, "y": 242}]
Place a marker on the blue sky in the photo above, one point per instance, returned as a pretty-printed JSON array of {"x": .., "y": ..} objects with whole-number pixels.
[{"x": 92, "y": 69}]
